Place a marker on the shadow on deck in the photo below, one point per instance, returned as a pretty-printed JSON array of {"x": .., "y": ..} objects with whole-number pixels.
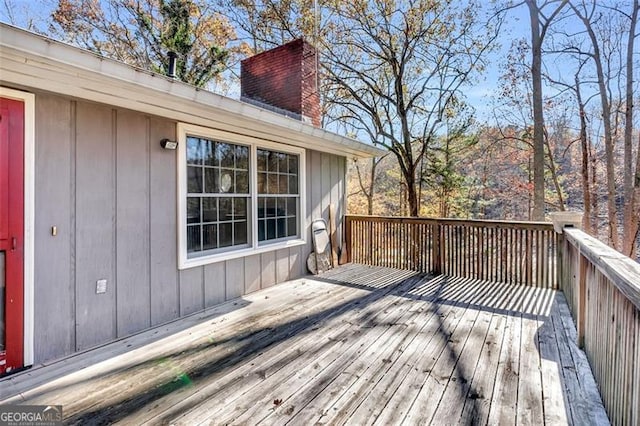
[{"x": 358, "y": 344}]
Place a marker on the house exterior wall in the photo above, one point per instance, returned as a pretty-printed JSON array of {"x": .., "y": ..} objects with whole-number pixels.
[{"x": 105, "y": 183}]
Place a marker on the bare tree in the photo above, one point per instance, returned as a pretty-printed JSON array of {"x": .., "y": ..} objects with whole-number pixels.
[
  {"x": 588, "y": 221},
  {"x": 398, "y": 69},
  {"x": 540, "y": 23},
  {"x": 576, "y": 90},
  {"x": 586, "y": 14},
  {"x": 367, "y": 183},
  {"x": 26, "y": 14}
]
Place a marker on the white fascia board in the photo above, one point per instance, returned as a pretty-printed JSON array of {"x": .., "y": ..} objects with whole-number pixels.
[{"x": 33, "y": 61}]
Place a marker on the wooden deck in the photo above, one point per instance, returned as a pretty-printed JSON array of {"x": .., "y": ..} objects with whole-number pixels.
[{"x": 357, "y": 345}]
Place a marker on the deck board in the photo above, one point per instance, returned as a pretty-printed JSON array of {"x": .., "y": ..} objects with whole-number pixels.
[
  {"x": 476, "y": 407},
  {"x": 357, "y": 345}
]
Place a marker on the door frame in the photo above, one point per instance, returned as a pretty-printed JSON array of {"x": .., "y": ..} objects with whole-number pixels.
[{"x": 29, "y": 215}]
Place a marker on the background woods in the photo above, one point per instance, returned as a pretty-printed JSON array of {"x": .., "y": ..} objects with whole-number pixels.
[{"x": 497, "y": 110}]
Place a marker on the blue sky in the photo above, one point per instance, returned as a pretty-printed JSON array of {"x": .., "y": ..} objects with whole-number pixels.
[{"x": 479, "y": 95}]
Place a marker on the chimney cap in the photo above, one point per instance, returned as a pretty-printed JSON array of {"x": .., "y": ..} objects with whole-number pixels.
[{"x": 293, "y": 43}]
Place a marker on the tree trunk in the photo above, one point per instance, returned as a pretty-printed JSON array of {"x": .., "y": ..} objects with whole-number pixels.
[
  {"x": 412, "y": 199},
  {"x": 608, "y": 137},
  {"x": 372, "y": 187},
  {"x": 586, "y": 190},
  {"x": 538, "y": 118},
  {"x": 368, "y": 190},
  {"x": 554, "y": 176},
  {"x": 630, "y": 216},
  {"x": 594, "y": 192},
  {"x": 412, "y": 194},
  {"x": 634, "y": 229}
]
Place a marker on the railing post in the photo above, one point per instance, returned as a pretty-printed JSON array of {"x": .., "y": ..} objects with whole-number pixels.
[
  {"x": 436, "y": 247},
  {"x": 347, "y": 243},
  {"x": 581, "y": 288},
  {"x": 560, "y": 259},
  {"x": 560, "y": 221}
]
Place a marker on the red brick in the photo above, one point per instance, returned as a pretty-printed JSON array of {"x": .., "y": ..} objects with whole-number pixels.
[{"x": 284, "y": 77}]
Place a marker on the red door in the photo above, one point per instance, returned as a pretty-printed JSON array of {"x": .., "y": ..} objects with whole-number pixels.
[{"x": 11, "y": 234}]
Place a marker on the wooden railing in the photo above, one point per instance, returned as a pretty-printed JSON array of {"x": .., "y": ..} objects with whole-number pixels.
[
  {"x": 603, "y": 290},
  {"x": 514, "y": 252}
]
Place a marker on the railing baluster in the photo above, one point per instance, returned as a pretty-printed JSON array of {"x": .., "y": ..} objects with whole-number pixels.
[
  {"x": 468, "y": 250},
  {"x": 511, "y": 252},
  {"x": 485, "y": 255}
]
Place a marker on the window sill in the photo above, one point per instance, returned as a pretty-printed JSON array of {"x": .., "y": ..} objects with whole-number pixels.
[{"x": 221, "y": 257}]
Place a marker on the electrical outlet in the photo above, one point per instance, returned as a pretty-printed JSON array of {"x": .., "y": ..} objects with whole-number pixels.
[{"x": 101, "y": 286}]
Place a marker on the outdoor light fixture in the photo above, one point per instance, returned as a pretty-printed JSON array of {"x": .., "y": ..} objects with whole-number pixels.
[{"x": 168, "y": 144}]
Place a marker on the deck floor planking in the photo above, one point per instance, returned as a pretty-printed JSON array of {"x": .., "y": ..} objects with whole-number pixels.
[{"x": 357, "y": 345}]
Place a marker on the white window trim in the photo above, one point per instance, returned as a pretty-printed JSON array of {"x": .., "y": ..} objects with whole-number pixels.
[
  {"x": 29, "y": 217},
  {"x": 184, "y": 129}
]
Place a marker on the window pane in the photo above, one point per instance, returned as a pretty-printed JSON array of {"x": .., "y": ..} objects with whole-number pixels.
[
  {"x": 282, "y": 206},
  {"x": 240, "y": 233},
  {"x": 209, "y": 237},
  {"x": 293, "y": 164},
  {"x": 194, "y": 179},
  {"x": 262, "y": 183},
  {"x": 262, "y": 160},
  {"x": 226, "y": 154},
  {"x": 193, "y": 238},
  {"x": 261, "y": 230},
  {"x": 226, "y": 181},
  {"x": 292, "y": 227},
  {"x": 293, "y": 184},
  {"x": 281, "y": 228},
  {"x": 242, "y": 183},
  {"x": 272, "y": 183},
  {"x": 284, "y": 185},
  {"x": 225, "y": 209},
  {"x": 209, "y": 148},
  {"x": 271, "y": 206},
  {"x": 239, "y": 209},
  {"x": 194, "y": 155},
  {"x": 225, "y": 234},
  {"x": 292, "y": 206},
  {"x": 211, "y": 181},
  {"x": 282, "y": 163},
  {"x": 209, "y": 209},
  {"x": 271, "y": 229},
  {"x": 242, "y": 157},
  {"x": 272, "y": 161},
  {"x": 262, "y": 212},
  {"x": 193, "y": 210}
]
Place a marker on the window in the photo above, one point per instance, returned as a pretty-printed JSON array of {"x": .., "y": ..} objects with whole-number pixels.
[
  {"x": 278, "y": 197},
  {"x": 237, "y": 195},
  {"x": 218, "y": 196}
]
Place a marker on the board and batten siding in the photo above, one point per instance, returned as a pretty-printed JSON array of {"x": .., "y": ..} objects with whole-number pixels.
[{"x": 105, "y": 183}]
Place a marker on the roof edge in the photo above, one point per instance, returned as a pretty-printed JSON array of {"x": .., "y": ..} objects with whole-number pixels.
[{"x": 68, "y": 70}]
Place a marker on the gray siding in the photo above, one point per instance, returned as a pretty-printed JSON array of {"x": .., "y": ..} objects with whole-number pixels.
[
  {"x": 54, "y": 201},
  {"x": 132, "y": 224},
  {"x": 95, "y": 229},
  {"x": 103, "y": 180},
  {"x": 163, "y": 252}
]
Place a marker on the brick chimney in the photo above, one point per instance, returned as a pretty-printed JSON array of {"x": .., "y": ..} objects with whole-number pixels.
[{"x": 283, "y": 79}]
